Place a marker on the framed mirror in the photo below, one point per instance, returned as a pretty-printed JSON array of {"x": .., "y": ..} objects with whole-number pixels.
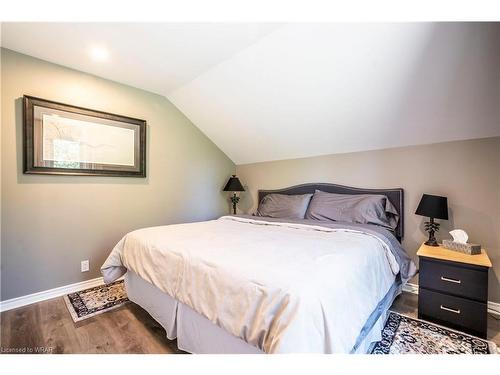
[{"x": 63, "y": 139}]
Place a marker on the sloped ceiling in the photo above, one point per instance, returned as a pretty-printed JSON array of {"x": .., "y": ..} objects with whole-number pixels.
[
  {"x": 158, "y": 57},
  {"x": 267, "y": 92}
]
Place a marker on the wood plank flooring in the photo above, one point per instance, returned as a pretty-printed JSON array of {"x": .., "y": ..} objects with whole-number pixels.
[{"x": 47, "y": 327}]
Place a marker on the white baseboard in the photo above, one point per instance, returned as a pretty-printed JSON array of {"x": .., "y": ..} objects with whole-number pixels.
[
  {"x": 48, "y": 294},
  {"x": 493, "y": 307},
  {"x": 410, "y": 288}
]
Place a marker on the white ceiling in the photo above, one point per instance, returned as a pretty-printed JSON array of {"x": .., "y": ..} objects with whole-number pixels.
[
  {"x": 158, "y": 57},
  {"x": 267, "y": 92}
]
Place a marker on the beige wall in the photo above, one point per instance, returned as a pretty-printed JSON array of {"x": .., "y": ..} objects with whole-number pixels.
[
  {"x": 467, "y": 172},
  {"x": 51, "y": 223}
]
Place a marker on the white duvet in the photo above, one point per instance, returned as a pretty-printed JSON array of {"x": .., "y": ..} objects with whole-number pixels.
[{"x": 282, "y": 287}]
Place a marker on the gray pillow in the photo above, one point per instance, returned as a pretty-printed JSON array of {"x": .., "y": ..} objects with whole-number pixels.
[
  {"x": 284, "y": 206},
  {"x": 362, "y": 209}
]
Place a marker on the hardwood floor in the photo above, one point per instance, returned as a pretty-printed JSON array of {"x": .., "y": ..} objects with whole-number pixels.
[{"x": 47, "y": 327}]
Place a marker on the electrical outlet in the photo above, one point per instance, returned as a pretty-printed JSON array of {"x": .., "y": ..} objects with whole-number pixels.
[{"x": 85, "y": 265}]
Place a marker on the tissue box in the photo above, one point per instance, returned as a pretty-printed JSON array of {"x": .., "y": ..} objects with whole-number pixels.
[{"x": 467, "y": 248}]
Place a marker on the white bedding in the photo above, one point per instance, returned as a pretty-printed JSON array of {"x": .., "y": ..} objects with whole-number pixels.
[{"x": 280, "y": 287}]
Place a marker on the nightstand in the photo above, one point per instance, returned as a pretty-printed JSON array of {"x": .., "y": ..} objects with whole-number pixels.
[{"x": 453, "y": 289}]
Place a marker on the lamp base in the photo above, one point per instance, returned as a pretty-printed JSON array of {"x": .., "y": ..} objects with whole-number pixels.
[
  {"x": 234, "y": 200},
  {"x": 432, "y": 228},
  {"x": 431, "y": 242}
]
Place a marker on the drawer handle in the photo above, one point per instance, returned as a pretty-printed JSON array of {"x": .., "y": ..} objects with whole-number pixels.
[
  {"x": 451, "y": 280},
  {"x": 450, "y": 310}
]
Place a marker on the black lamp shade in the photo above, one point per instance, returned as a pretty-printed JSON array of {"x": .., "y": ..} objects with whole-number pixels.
[
  {"x": 234, "y": 184},
  {"x": 433, "y": 206}
]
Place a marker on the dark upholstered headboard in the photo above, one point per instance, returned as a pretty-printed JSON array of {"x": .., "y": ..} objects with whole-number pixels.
[{"x": 395, "y": 196}]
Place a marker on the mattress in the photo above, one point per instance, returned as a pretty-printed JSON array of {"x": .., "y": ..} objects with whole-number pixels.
[
  {"x": 280, "y": 287},
  {"x": 197, "y": 335}
]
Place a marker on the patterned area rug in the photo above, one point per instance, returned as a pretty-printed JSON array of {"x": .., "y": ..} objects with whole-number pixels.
[
  {"x": 93, "y": 301},
  {"x": 404, "y": 335}
]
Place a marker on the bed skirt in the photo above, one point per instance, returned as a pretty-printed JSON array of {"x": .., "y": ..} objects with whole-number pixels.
[{"x": 198, "y": 335}]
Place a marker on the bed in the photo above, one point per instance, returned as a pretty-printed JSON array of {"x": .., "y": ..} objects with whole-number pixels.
[{"x": 246, "y": 284}]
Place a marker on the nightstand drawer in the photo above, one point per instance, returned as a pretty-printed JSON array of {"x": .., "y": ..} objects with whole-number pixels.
[
  {"x": 460, "y": 313},
  {"x": 459, "y": 280}
]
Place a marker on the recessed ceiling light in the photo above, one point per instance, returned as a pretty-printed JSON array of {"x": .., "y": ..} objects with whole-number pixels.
[{"x": 99, "y": 54}]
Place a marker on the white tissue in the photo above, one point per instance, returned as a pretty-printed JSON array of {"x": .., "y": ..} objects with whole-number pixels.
[{"x": 459, "y": 235}]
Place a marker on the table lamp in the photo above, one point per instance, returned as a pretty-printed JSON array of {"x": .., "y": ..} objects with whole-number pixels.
[
  {"x": 234, "y": 185},
  {"x": 434, "y": 207}
]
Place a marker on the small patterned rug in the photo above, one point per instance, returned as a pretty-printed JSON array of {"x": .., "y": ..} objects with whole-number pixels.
[
  {"x": 404, "y": 335},
  {"x": 93, "y": 301}
]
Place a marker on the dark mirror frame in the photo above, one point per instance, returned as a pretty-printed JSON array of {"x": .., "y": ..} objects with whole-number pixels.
[{"x": 29, "y": 167}]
